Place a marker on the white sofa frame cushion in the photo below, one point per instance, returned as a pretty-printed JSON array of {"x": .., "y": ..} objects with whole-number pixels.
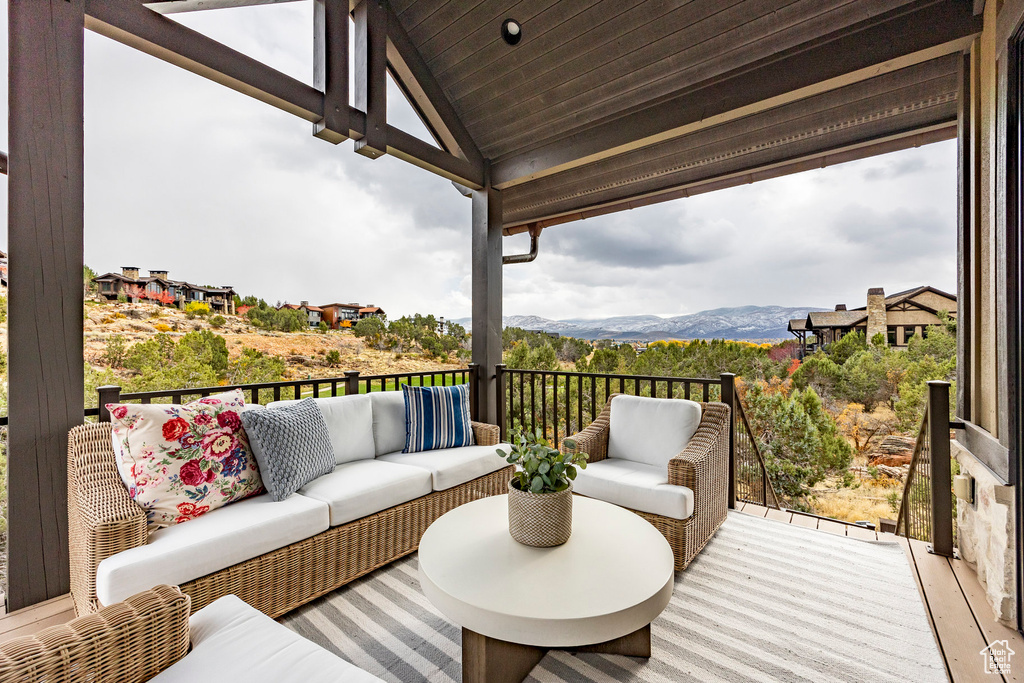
[
  {"x": 388, "y": 421},
  {"x": 219, "y": 539},
  {"x": 349, "y": 421},
  {"x": 233, "y": 641},
  {"x": 450, "y": 467},
  {"x": 636, "y": 486},
  {"x": 651, "y": 431},
  {"x": 363, "y": 487}
]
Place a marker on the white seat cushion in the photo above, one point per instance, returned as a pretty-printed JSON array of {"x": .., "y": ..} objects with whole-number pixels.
[
  {"x": 350, "y": 422},
  {"x": 363, "y": 487},
  {"x": 651, "y": 430},
  {"x": 450, "y": 467},
  {"x": 214, "y": 541},
  {"x": 636, "y": 486},
  {"x": 233, "y": 641},
  {"x": 388, "y": 421}
]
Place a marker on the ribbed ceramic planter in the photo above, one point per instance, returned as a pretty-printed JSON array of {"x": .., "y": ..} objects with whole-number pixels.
[{"x": 540, "y": 519}]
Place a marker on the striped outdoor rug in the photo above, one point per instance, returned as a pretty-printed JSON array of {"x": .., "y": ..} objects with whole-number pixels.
[{"x": 764, "y": 601}]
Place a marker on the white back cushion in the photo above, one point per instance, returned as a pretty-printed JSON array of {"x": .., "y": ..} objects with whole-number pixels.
[
  {"x": 651, "y": 430},
  {"x": 388, "y": 421},
  {"x": 350, "y": 422}
]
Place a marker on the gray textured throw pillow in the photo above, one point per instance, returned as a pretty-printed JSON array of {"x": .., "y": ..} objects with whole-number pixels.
[{"x": 291, "y": 444}]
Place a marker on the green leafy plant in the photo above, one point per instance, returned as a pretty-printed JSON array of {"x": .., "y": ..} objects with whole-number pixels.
[
  {"x": 543, "y": 468},
  {"x": 217, "y": 321}
]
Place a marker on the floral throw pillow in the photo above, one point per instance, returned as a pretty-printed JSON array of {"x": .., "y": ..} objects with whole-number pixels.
[{"x": 180, "y": 461}]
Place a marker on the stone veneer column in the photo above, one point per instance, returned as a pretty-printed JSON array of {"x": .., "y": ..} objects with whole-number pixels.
[{"x": 876, "y": 314}]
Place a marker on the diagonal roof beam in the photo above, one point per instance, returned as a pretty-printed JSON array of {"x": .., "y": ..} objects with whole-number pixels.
[
  {"x": 414, "y": 77},
  {"x": 133, "y": 24},
  {"x": 911, "y": 34}
]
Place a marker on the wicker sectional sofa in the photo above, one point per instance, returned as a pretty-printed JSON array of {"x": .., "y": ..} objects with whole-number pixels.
[{"x": 275, "y": 556}]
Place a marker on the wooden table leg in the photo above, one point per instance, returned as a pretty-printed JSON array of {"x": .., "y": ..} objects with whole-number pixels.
[{"x": 489, "y": 660}]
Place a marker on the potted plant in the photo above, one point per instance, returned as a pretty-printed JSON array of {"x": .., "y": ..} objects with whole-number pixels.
[{"x": 540, "y": 492}]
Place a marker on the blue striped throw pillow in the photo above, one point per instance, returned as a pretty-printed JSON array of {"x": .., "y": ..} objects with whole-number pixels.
[{"x": 436, "y": 417}]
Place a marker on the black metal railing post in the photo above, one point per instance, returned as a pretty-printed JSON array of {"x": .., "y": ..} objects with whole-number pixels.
[
  {"x": 351, "y": 382},
  {"x": 474, "y": 391},
  {"x": 729, "y": 399},
  {"x": 942, "y": 500},
  {"x": 107, "y": 394},
  {"x": 499, "y": 391}
]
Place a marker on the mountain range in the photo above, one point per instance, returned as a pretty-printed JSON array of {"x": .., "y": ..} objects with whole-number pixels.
[{"x": 743, "y": 322}]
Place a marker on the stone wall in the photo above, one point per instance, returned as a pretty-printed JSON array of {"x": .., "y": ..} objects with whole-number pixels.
[
  {"x": 985, "y": 535},
  {"x": 876, "y": 314}
]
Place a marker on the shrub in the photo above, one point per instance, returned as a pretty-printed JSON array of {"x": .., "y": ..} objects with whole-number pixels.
[
  {"x": 371, "y": 329},
  {"x": 194, "y": 308},
  {"x": 162, "y": 327},
  {"x": 217, "y": 322},
  {"x": 209, "y": 348},
  {"x": 847, "y": 347},
  {"x": 254, "y": 366},
  {"x": 115, "y": 353},
  {"x": 333, "y": 358}
]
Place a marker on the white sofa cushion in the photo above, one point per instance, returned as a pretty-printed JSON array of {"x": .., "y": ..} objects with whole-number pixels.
[
  {"x": 450, "y": 467},
  {"x": 388, "y": 421},
  {"x": 350, "y": 422},
  {"x": 651, "y": 430},
  {"x": 634, "y": 485},
  {"x": 362, "y": 487},
  {"x": 209, "y": 543},
  {"x": 233, "y": 641}
]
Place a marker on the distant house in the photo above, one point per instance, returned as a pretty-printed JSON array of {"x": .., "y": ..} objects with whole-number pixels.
[
  {"x": 314, "y": 314},
  {"x": 340, "y": 315},
  {"x": 158, "y": 287},
  {"x": 367, "y": 311},
  {"x": 897, "y": 317}
]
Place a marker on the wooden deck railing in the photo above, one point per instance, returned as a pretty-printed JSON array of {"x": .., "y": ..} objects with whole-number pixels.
[
  {"x": 926, "y": 509},
  {"x": 559, "y": 404}
]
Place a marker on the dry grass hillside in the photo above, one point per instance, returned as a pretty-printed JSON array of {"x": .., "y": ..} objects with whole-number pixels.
[{"x": 303, "y": 352}]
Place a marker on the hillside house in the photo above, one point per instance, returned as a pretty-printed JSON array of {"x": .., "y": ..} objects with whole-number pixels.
[
  {"x": 367, "y": 311},
  {"x": 898, "y": 317},
  {"x": 314, "y": 314},
  {"x": 340, "y": 315},
  {"x": 157, "y": 284}
]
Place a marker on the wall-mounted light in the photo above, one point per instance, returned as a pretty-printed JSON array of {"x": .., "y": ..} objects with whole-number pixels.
[{"x": 511, "y": 31}]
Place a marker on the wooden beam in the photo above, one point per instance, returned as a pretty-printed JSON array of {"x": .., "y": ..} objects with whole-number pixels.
[
  {"x": 487, "y": 285},
  {"x": 371, "y": 76},
  {"x": 863, "y": 150},
  {"x": 175, "y": 6},
  {"x": 419, "y": 153},
  {"x": 330, "y": 68},
  {"x": 912, "y": 34},
  {"x": 414, "y": 77},
  {"x": 128, "y": 22},
  {"x": 45, "y": 227}
]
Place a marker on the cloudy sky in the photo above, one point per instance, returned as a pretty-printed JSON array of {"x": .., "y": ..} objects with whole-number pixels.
[{"x": 188, "y": 176}]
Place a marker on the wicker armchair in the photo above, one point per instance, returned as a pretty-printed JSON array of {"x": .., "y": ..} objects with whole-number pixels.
[
  {"x": 126, "y": 642},
  {"x": 702, "y": 467}
]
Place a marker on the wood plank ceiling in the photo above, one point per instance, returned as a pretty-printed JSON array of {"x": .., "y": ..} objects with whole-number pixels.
[{"x": 587, "y": 74}]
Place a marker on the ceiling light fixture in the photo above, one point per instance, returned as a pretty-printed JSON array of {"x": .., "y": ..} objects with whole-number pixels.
[{"x": 511, "y": 31}]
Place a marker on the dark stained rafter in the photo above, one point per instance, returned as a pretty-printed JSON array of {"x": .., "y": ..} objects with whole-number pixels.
[
  {"x": 330, "y": 68},
  {"x": 371, "y": 76}
]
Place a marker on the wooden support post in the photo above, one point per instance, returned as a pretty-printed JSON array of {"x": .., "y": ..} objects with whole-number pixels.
[
  {"x": 108, "y": 393},
  {"x": 330, "y": 68},
  {"x": 729, "y": 399},
  {"x": 942, "y": 497},
  {"x": 371, "y": 76},
  {"x": 474, "y": 392},
  {"x": 487, "y": 293},
  {"x": 45, "y": 208},
  {"x": 351, "y": 382}
]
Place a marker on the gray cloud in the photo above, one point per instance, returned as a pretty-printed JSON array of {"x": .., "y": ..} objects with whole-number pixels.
[{"x": 894, "y": 168}]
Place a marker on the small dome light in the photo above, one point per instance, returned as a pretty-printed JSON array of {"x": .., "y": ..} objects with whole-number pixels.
[{"x": 511, "y": 31}]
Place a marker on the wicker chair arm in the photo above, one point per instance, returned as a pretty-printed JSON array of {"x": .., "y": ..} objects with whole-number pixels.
[
  {"x": 128, "y": 641},
  {"x": 102, "y": 519},
  {"x": 486, "y": 434},
  {"x": 703, "y": 465},
  {"x": 594, "y": 439}
]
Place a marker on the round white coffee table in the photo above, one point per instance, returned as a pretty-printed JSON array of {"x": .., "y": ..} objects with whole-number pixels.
[{"x": 599, "y": 592}]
